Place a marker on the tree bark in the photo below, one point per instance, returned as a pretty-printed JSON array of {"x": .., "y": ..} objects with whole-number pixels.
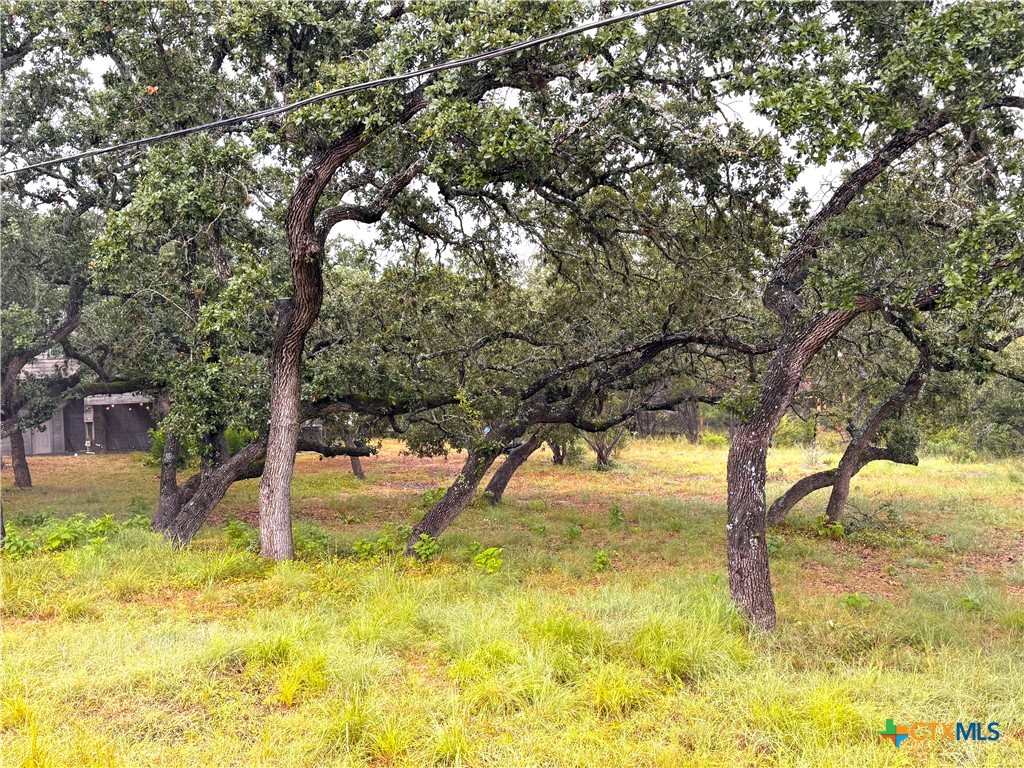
[
  {"x": 851, "y": 462},
  {"x": 295, "y": 317},
  {"x": 459, "y": 494},
  {"x": 825, "y": 479},
  {"x": 357, "y": 464},
  {"x": 22, "y": 476},
  {"x": 749, "y": 578},
  {"x": 168, "y": 505},
  {"x": 746, "y": 473},
  {"x": 209, "y": 490},
  {"x": 558, "y": 451},
  {"x": 515, "y": 459},
  {"x": 285, "y": 420}
]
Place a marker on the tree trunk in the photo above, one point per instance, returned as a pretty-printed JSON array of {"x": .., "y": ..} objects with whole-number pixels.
[
  {"x": 691, "y": 421},
  {"x": 515, "y": 459},
  {"x": 209, "y": 490},
  {"x": 22, "y": 476},
  {"x": 853, "y": 459},
  {"x": 357, "y": 464},
  {"x": 749, "y": 579},
  {"x": 221, "y": 449},
  {"x": 826, "y": 479},
  {"x": 558, "y": 451},
  {"x": 746, "y": 473},
  {"x": 285, "y": 420},
  {"x": 459, "y": 494},
  {"x": 168, "y": 505}
]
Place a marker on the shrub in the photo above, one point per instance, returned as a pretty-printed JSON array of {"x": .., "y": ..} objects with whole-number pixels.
[
  {"x": 426, "y": 549},
  {"x": 714, "y": 440},
  {"x": 238, "y": 438},
  {"x": 602, "y": 562},
  {"x": 17, "y": 546},
  {"x": 64, "y": 534},
  {"x": 826, "y": 529},
  {"x": 489, "y": 559},
  {"x": 138, "y": 521},
  {"x": 431, "y": 497},
  {"x": 953, "y": 443},
  {"x": 794, "y": 431},
  {"x": 158, "y": 438},
  {"x": 310, "y": 541},
  {"x": 241, "y": 536},
  {"x": 856, "y": 601},
  {"x": 1000, "y": 440},
  {"x": 390, "y": 541}
]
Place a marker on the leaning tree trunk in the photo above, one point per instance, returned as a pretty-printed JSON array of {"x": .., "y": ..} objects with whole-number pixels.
[
  {"x": 854, "y": 459},
  {"x": 22, "y": 476},
  {"x": 858, "y": 454},
  {"x": 515, "y": 459},
  {"x": 827, "y": 478},
  {"x": 210, "y": 489},
  {"x": 749, "y": 575},
  {"x": 459, "y": 494}
]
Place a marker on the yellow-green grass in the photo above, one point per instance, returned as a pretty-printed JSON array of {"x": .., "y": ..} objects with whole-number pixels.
[{"x": 124, "y": 652}]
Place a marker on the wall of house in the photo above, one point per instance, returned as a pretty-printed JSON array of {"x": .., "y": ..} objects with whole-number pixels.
[
  {"x": 122, "y": 427},
  {"x": 118, "y": 428},
  {"x": 44, "y": 439}
]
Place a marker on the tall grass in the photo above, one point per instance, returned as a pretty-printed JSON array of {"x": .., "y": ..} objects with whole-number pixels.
[{"x": 126, "y": 653}]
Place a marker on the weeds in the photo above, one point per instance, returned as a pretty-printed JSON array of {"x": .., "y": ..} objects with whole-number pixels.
[{"x": 125, "y": 652}]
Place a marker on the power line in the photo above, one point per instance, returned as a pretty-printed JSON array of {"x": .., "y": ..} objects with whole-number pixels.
[{"x": 368, "y": 85}]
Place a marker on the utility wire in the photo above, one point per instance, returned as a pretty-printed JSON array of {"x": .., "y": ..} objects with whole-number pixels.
[{"x": 370, "y": 84}]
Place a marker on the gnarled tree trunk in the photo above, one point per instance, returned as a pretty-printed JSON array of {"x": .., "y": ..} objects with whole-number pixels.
[
  {"x": 168, "y": 504},
  {"x": 209, "y": 489},
  {"x": 749, "y": 575},
  {"x": 854, "y": 455},
  {"x": 858, "y": 454},
  {"x": 19, "y": 461},
  {"x": 513, "y": 461},
  {"x": 459, "y": 494},
  {"x": 295, "y": 317},
  {"x": 827, "y": 478}
]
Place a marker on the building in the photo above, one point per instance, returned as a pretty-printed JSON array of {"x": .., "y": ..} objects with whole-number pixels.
[{"x": 94, "y": 424}]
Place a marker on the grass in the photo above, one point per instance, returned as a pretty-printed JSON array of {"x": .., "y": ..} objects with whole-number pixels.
[{"x": 122, "y": 652}]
